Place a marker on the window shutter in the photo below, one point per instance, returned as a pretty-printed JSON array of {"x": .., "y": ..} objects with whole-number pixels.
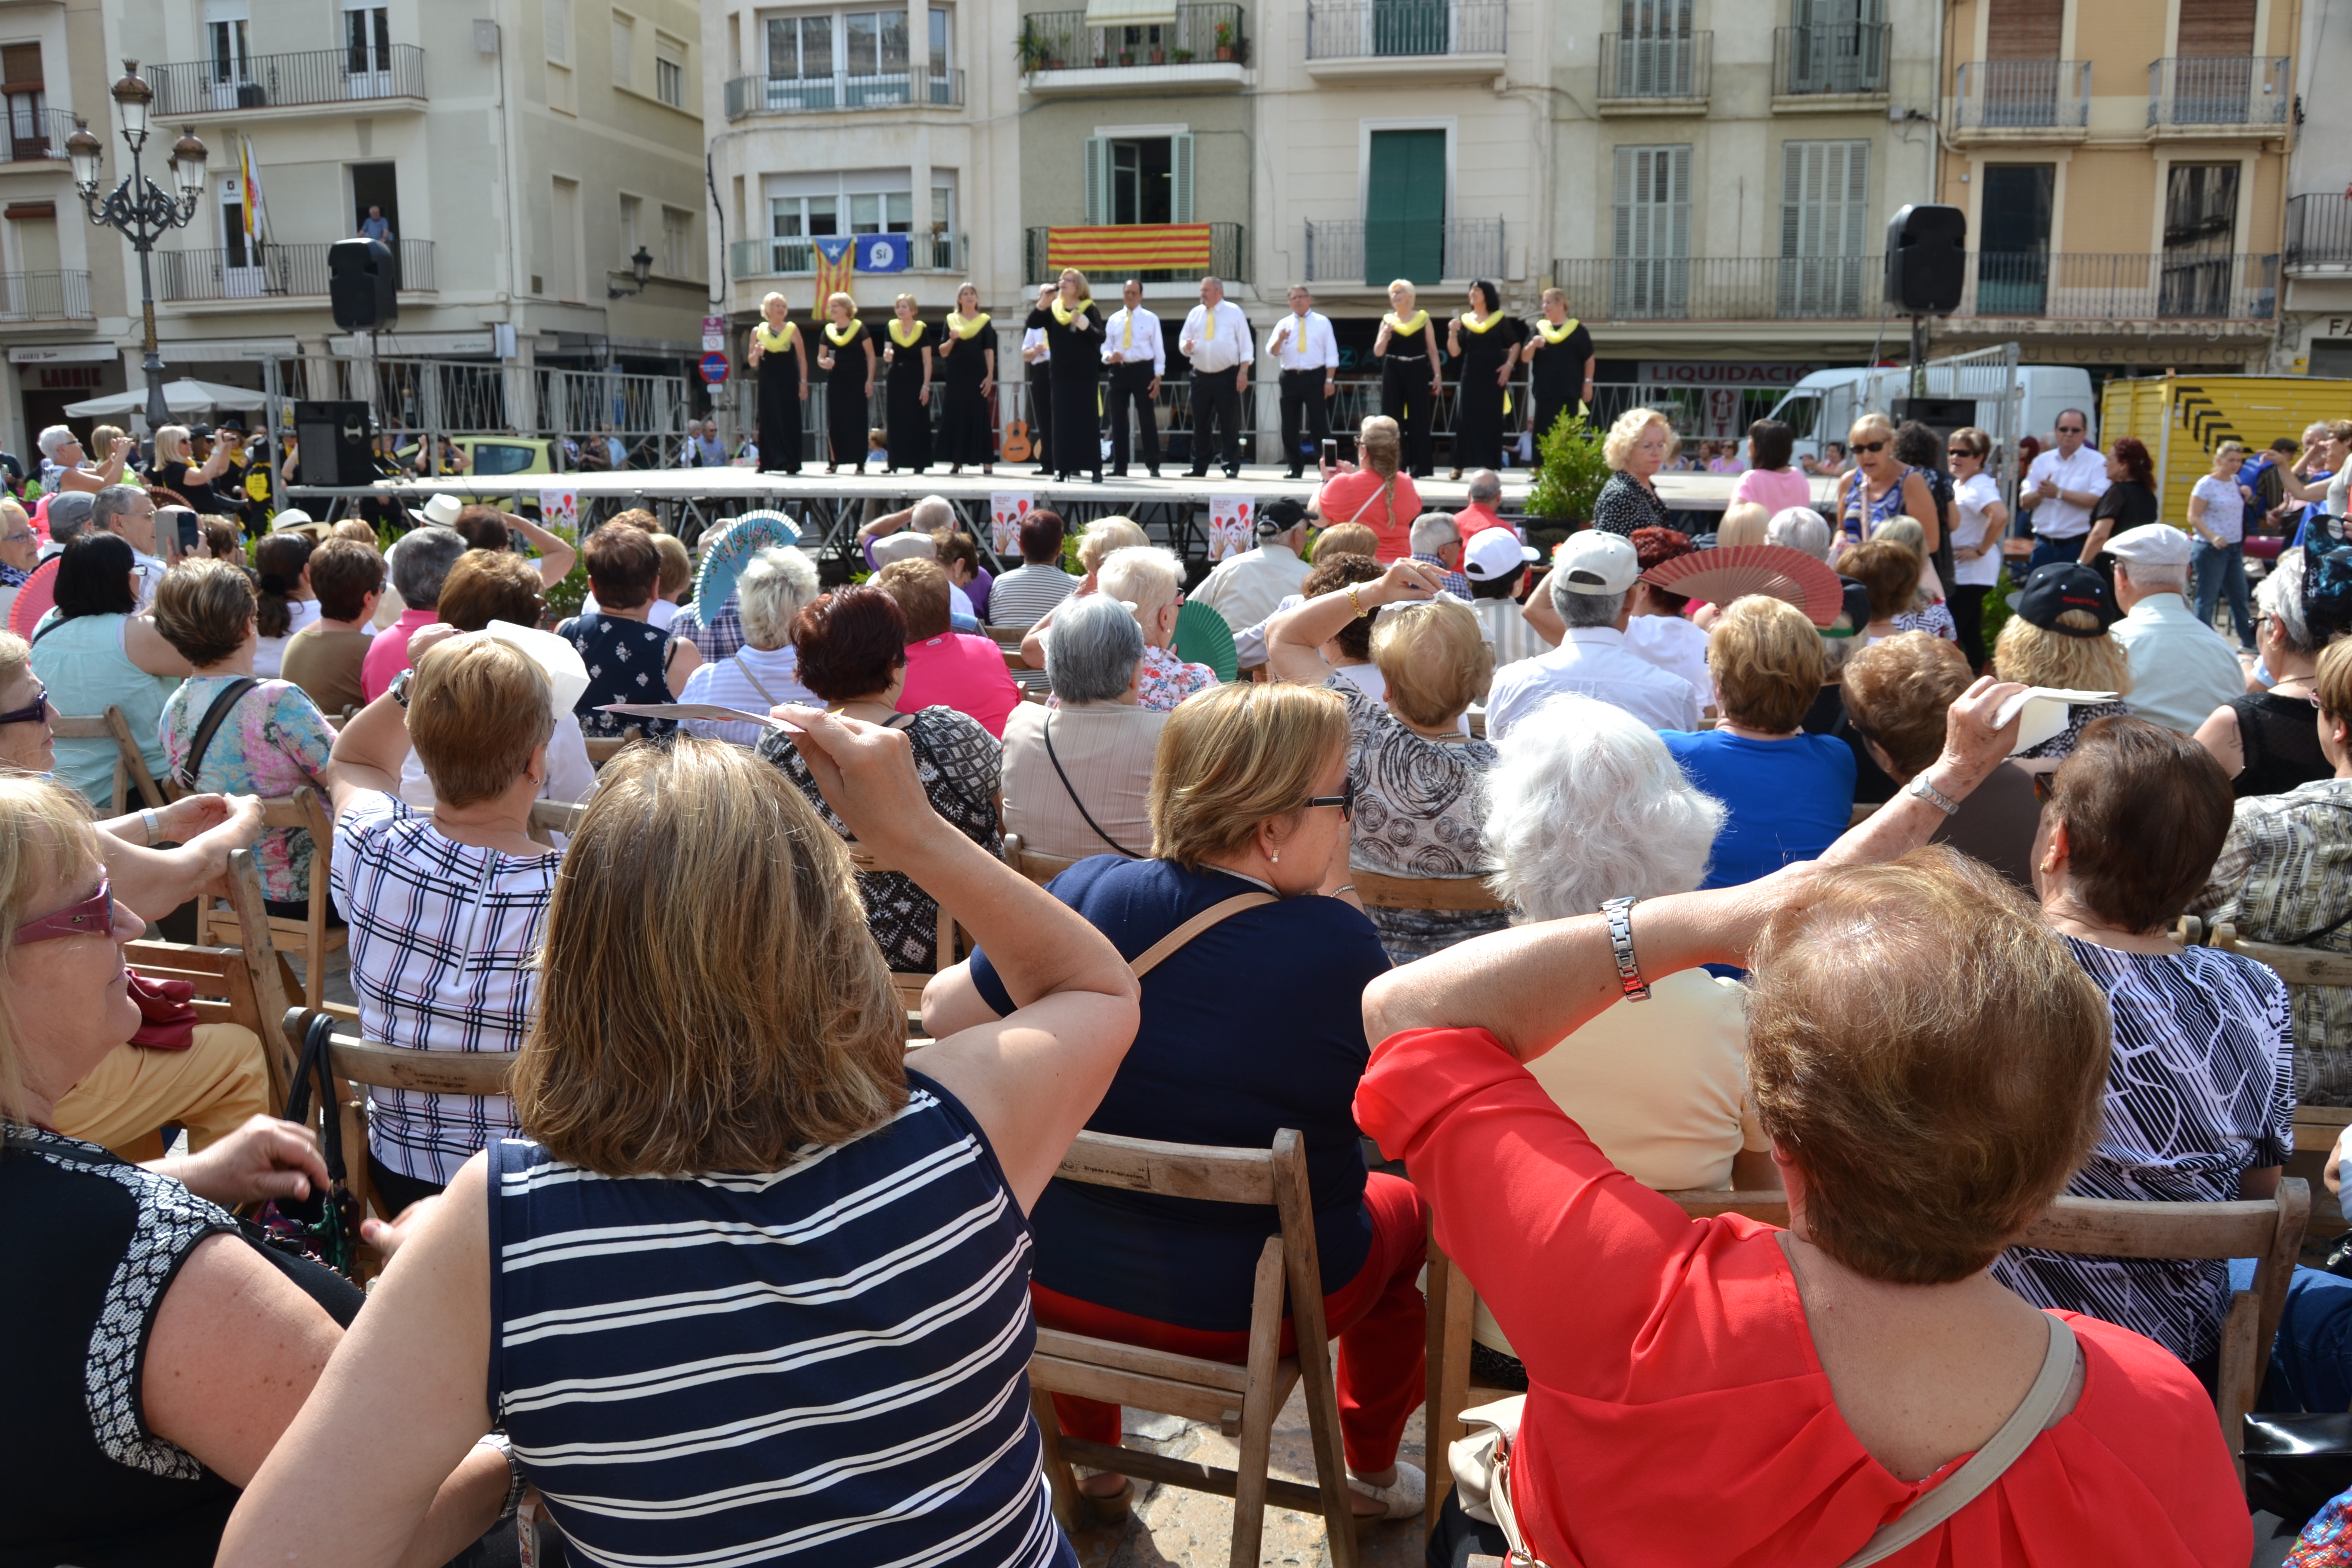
[
  {"x": 1180, "y": 183},
  {"x": 1679, "y": 198},
  {"x": 1794, "y": 155},
  {"x": 1098, "y": 180},
  {"x": 1627, "y": 159},
  {"x": 558, "y": 24},
  {"x": 1854, "y": 239}
]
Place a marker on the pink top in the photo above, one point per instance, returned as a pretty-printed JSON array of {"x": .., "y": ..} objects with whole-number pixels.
[
  {"x": 962, "y": 672},
  {"x": 1677, "y": 1411},
  {"x": 1356, "y": 498},
  {"x": 387, "y": 654},
  {"x": 1774, "y": 489}
]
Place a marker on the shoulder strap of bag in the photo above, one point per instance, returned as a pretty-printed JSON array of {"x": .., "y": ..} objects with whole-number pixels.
[
  {"x": 1985, "y": 1466},
  {"x": 215, "y": 716},
  {"x": 1387, "y": 494},
  {"x": 315, "y": 1065},
  {"x": 1066, "y": 788},
  {"x": 738, "y": 657},
  {"x": 1150, "y": 958}
]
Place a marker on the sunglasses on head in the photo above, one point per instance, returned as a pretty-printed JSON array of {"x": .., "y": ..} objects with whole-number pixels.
[
  {"x": 1344, "y": 800},
  {"x": 1867, "y": 447},
  {"x": 35, "y": 713},
  {"x": 94, "y": 916}
]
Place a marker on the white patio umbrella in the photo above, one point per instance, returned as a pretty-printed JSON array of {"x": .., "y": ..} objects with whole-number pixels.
[{"x": 182, "y": 396}]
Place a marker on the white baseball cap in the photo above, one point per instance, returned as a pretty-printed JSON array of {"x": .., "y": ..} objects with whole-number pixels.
[
  {"x": 1593, "y": 562},
  {"x": 1494, "y": 552},
  {"x": 2151, "y": 544}
]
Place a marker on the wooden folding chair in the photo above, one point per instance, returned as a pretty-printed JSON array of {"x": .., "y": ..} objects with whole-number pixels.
[
  {"x": 1449, "y": 895},
  {"x": 908, "y": 982},
  {"x": 549, "y": 817},
  {"x": 2316, "y": 1128},
  {"x": 224, "y": 994},
  {"x": 1039, "y": 869},
  {"x": 2296, "y": 965},
  {"x": 311, "y": 936},
  {"x": 130, "y": 766},
  {"x": 1243, "y": 1400},
  {"x": 603, "y": 749}
]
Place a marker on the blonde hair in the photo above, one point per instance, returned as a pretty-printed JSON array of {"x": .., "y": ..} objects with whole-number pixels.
[
  {"x": 1559, "y": 294},
  {"x": 1086, "y": 290},
  {"x": 1411, "y": 294},
  {"x": 1379, "y": 443},
  {"x": 2228, "y": 450},
  {"x": 15, "y": 658},
  {"x": 1870, "y": 421},
  {"x": 478, "y": 707},
  {"x": 844, "y": 300},
  {"x": 1344, "y": 539},
  {"x": 677, "y": 565},
  {"x": 1236, "y": 756},
  {"x": 1434, "y": 658},
  {"x": 696, "y": 1034},
  {"x": 48, "y": 841},
  {"x": 1626, "y": 433},
  {"x": 356, "y": 529},
  {"x": 1143, "y": 575},
  {"x": 102, "y": 440},
  {"x": 902, "y": 299},
  {"x": 1746, "y": 524},
  {"x": 1766, "y": 658},
  {"x": 1105, "y": 534},
  {"x": 2333, "y": 683},
  {"x": 2039, "y": 657},
  {"x": 772, "y": 297},
  {"x": 170, "y": 443}
]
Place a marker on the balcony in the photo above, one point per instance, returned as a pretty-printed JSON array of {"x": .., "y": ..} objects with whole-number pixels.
[
  {"x": 1722, "y": 288},
  {"x": 821, "y": 95},
  {"x": 2208, "y": 95},
  {"x": 44, "y": 297},
  {"x": 1419, "y": 40},
  {"x": 797, "y": 258},
  {"x": 1655, "y": 73},
  {"x": 1360, "y": 252},
  {"x": 36, "y": 135},
  {"x": 212, "y": 89},
  {"x": 282, "y": 271},
  {"x": 2319, "y": 232},
  {"x": 1228, "y": 259},
  {"x": 2022, "y": 101},
  {"x": 1205, "y": 50},
  {"x": 1828, "y": 66},
  {"x": 2161, "y": 285}
]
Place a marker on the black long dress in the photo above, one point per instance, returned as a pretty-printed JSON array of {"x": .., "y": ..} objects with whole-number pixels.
[
  {"x": 780, "y": 398},
  {"x": 1405, "y": 397},
  {"x": 1556, "y": 373},
  {"x": 1478, "y": 397},
  {"x": 907, "y": 421},
  {"x": 1078, "y": 373},
  {"x": 958, "y": 367},
  {"x": 846, "y": 416}
]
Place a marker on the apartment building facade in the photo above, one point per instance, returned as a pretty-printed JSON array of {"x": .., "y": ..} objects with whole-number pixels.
[
  {"x": 528, "y": 162},
  {"x": 2316, "y": 316}
]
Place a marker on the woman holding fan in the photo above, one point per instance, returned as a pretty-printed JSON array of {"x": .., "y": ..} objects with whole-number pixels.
[
  {"x": 907, "y": 414},
  {"x": 965, "y": 366}
]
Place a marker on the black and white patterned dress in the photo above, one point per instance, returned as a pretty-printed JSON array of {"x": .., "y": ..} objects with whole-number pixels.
[
  {"x": 1421, "y": 807},
  {"x": 962, "y": 768},
  {"x": 1625, "y": 504},
  {"x": 627, "y": 662},
  {"x": 2200, "y": 1089}
]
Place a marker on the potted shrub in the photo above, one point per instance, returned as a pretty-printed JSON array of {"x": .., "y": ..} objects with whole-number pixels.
[
  {"x": 1127, "y": 57},
  {"x": 1055, "y": 48},
  {"x": 1182, "y": 56},
  {"x": 1570, "y": 472},
  {"x": 1158, "y": 55},
  {"x": 1225, "y": 41},
  {"x": 1029, "y": 49}
]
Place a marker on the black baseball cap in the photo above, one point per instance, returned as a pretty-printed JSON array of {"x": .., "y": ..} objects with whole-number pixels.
[
  {"x": 1278, "y": 517},
  {"x": 1855, "y": 599},
  {"x": 2059, "y": 586}
]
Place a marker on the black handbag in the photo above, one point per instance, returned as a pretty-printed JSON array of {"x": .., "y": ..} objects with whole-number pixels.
[
  {"x": 2296, "y": 1464},
  {"x": 324, "y": 1225}
]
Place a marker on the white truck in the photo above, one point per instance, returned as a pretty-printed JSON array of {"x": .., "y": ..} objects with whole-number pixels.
[{"x": 1989, "y": 390}]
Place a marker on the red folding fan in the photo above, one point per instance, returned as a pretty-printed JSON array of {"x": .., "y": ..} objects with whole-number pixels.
[{"x": 1719, "y": 576}]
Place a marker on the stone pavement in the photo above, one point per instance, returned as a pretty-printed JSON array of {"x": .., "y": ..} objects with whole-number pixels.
[{"x": 1170, "y": 1527}]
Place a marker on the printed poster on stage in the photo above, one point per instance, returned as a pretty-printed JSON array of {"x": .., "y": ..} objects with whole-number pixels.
[
  {"x": 1231, "y": 521},
  {"x": 559, "y": 510},
  {"x": 1007, "y": 509}
]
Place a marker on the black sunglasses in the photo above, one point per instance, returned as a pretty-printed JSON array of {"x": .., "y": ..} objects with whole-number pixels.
[
  {"x": 34, "y": 714},
  {"x": 1868, "y": 447},
  {"x": 1344, "y": 800}
]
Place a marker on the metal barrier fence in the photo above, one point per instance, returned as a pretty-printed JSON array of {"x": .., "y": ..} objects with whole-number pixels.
[
  {"x": 424, "y": 399},
  {"x": 1196, "y": 33}
]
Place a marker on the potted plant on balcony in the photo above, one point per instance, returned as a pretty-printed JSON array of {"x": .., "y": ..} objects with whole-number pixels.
[
  {"x": 1029, "y": 49},
  {"x": 1159, "y": 55},
  {"x": 1182, "y": 56},
  {"x": 1127, "y": 57},
  {"x": 1225, "y": 41}
]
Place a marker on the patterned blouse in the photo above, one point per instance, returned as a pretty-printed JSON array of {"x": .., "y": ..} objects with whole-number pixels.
[
  {"x": 2285, "y": 875},
  {"x": 627, "y": 662},
  {"x": 1625, "y": 504},
  {"x": 1420, "y": 806},
  {"x": 962, "y": 768},
  {"x": 275, "y": 742},
  {"x": 2060, "y": 746},
  {"x": 1935, "y": 619}
]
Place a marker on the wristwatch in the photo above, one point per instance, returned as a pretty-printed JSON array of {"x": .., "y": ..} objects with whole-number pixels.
[
  {"x": 1932, "y": 796},
  {"x": 1619, "y": 912},
  {"x": 398, "y": 689}
]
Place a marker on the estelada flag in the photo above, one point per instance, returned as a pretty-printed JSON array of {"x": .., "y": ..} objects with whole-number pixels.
[{"x": 837, "y": 269}]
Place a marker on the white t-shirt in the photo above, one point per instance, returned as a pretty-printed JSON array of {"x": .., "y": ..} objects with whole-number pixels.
[
  {"x": 1973, "y": 497},
  {"x": 2225, "y": 509},
  {"x": 1674, "y": 646},
  {"x": 269, "y": 653}
]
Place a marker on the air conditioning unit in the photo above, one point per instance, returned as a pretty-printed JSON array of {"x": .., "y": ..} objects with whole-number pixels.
[{"x": 252, "y": 95}]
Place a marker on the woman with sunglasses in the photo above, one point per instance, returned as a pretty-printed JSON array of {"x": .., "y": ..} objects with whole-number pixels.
[
  {"x": 1251, "y": 1025},
  {"x": 1883, "y": 487},
  {"x": 157, "y": 1354}
]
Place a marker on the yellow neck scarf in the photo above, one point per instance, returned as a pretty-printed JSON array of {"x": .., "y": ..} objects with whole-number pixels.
[
  {"x": 966, "y": 327},
  {"x": 910, "y": 337},
  {"x": 1559, "y": 334},
  {"x": 1475, "y": 325},
  {"x": 775, "y": 342},
  {"x": 840, "y": 339},
  {"x": 1408, "y": 329},
  {"x": 1066, "y": 316}
]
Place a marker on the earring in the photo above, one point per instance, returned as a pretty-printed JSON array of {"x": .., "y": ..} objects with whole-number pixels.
[{"x": 1276, "y": 858}]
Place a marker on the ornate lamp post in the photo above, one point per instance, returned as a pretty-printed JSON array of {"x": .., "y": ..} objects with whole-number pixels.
[{"x": 139, "y": 209}]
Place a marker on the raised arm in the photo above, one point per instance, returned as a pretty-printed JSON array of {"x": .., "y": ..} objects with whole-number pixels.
[
  {"x": 1538, "y": 613},
  {"x": 1295, "y": 638},
  {"x": 207, "y": 829},
  {"x": 1034, "y": 1076},
  {"x": 555, "y": 554},
  {"x": 146, "y": 648},
  {"x": 1921, "y": 502},
  {"x": 368, "y": 754},
  {"x": 885, "y": 526}
]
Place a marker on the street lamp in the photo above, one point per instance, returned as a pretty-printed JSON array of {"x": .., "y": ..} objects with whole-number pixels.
[
  {"x": 641, "y": 266},
  {"x": 138, "y": 208}
]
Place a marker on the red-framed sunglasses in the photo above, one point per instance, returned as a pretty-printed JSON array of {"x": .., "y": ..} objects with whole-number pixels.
[{"x": 94, "y": 916}]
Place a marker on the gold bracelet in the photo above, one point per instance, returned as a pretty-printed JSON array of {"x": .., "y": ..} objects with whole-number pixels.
[{"x": 1359, "y": 604}]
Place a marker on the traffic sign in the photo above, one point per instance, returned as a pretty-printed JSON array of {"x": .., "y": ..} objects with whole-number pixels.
[
  {"x": 714, "y": 332},
  {"x": 714, "y": 368}
]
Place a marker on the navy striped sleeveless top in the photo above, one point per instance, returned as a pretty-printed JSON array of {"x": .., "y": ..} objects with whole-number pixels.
[{"x": 827, "y": 1364}]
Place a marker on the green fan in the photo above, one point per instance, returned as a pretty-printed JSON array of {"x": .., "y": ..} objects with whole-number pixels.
[{"x": 1202, "y": 637}]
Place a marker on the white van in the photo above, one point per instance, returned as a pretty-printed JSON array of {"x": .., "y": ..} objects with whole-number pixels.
[{"x": 1824, "y": 405}]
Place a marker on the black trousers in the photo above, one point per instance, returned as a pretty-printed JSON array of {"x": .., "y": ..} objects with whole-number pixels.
[
  {"x": 1303, "y": 404},
  {"x": 1130, "y": 384},
  {"x": 1041, "y": 413},
  {"x": 1216, "y": 401},
  {"x": 1077, "y": 439},
  {"x": 1405, "y": 397}
]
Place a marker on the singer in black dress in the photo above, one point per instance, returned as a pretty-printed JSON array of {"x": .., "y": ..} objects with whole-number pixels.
[
  {"x": 779, "y": 358},
  {"x": 963, "y": 369},
  {"x": 1406, "y": 347},
  {"x": 1074, "y": 335},
  {"x": 907, "y": 424},
  {"x": 1558, "y": 352},
  {"x": 1484, "y": 344},
  {"x": 848, "y": 381}
]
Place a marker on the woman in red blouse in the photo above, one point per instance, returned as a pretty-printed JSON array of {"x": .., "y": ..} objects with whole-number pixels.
[{"x": 1928, "y": 1062}]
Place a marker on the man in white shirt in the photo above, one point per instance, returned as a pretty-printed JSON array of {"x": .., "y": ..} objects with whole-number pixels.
[
  {"x": 1039, "y": 358},
  {"x": 1216, "y": 339},
  {"x": 2181, "y": 668},
  {"x": 1246, "y": 588},
  {"x": 2063, "y": 484},
  {"x": 1309, "y": 355},
  {"x": 1132, "y": 349},
  {"x": 1593, "y": 573},
  {"x": 126, "y": 511}
]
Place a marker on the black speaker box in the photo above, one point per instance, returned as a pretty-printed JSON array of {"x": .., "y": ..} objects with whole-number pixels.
[
  {"x": 1927, "y": 259},
  {"x": 333, "y": 443},
  {"x": 364, "y": 285}
]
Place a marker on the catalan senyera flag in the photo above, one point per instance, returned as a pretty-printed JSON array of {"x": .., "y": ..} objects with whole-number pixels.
[
  {"x": 837, "y": 269},
  {"x": 249, "y": 174},
  {"x": 1128, "y": 248}
]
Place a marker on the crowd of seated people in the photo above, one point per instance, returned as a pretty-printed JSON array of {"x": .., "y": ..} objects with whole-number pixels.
[{"x": 1680, "y": 960}]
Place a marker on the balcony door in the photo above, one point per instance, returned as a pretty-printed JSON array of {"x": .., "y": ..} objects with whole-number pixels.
[
  {"x": 28, "y": 103},
  {"x": 1404, "y": 208},
  {"x": 2013, "y": 246},
  {"x": 2200, "y": 228},
  {"x": 1650, "y": 275},
  {"x": 1824, "y": 227},
  {"x": 243, "y": 277},
  {"x": 1836, "y": 47},
  {"x": 2213, "y": 67},
  {"x": 228, "y": 66},
  {"x": 1656, "y": 50},
  {"x": 367, "y": 48},
  {"x": 1412, "y": 26}
]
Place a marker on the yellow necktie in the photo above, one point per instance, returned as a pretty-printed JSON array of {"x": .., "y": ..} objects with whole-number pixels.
[{"x": 1127, "y": 333}]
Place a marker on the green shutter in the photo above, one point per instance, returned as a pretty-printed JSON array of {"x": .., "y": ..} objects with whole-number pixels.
[
  {"x": 1180, "y": 177},
  {"x": 1098, "y": 180},
  {"x": 1404, "y": 208}
]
